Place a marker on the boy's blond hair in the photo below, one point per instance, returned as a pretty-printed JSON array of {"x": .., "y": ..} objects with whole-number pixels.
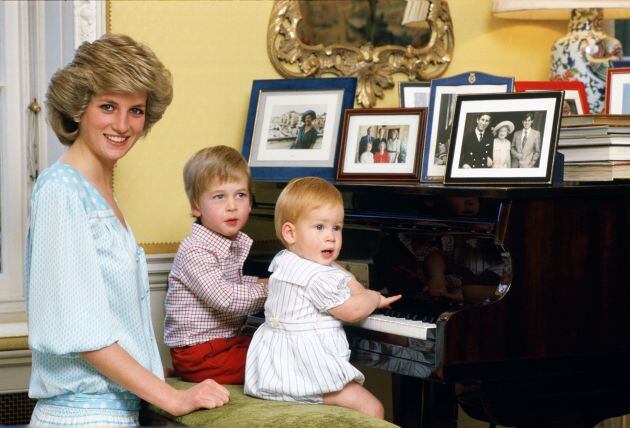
[
  {"x": 300, "y": 196},
  {"x": 219, "y": 162}
]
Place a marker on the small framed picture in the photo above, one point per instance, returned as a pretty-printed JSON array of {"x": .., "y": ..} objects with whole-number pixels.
[
  {"x": 443, "y": 94},
  {"x": 574, "y": 94},
  {"x": 414, "y": 94},
  {"x": 382, "y": 145},
  {"x": 504, "y": 138},
  {"x": 294, "y": 126},
  {"x": 618, "y": 90}
]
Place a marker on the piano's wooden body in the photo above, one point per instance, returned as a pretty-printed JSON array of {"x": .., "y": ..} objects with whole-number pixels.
[{"x": 539, "y": 338}]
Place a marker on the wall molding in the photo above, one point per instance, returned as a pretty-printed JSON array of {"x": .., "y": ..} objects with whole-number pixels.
[{"x": 89, "y": 20}]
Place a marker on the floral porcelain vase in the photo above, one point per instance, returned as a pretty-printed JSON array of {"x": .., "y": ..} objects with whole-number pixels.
[{"x": 584, "y": 55}]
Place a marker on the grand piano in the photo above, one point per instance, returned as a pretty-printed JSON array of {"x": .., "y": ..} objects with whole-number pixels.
[{"x": 515, "y": 299}]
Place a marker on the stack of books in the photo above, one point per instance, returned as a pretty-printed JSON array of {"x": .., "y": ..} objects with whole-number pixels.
[{"x": 595, "y": 147}]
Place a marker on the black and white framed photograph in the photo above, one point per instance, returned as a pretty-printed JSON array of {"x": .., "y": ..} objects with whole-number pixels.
[
  {"x": 294, "y": 126},
  {"x": 414, "y": 94},
  {"x": 381, "y": 145},
  {"x": 441, "y": 112},
  {"x": 504, "y": 138}
]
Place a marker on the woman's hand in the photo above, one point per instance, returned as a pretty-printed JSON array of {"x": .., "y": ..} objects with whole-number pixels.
[{"x": 204, "y": 395}]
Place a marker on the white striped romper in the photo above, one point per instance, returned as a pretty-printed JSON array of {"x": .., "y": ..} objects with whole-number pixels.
[{"x": 300, "y": 352}]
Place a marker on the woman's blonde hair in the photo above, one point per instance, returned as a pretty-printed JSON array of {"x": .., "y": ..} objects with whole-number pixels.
[
  {"x": 113, "y": 63},
  {"x": 300, "y": 196},
  {"x": 219, "y": 162}
]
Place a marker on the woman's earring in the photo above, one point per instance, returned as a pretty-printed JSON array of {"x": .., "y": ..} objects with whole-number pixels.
[{"x": 77, "y": 119}]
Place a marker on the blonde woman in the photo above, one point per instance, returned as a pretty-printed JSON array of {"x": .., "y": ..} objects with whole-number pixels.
[{"x": 94, "y": 349}]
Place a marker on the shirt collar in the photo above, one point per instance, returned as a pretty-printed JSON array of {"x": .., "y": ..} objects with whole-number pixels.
[{"x": 220, "y": 244}]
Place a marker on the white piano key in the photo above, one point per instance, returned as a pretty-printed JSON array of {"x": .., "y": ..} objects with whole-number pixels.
[{"x": 399, "y": 326}]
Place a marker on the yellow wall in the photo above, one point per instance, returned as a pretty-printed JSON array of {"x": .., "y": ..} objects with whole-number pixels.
[{"x": 216, "y": 48}]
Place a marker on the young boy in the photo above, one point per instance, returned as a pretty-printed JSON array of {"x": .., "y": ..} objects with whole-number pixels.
[{"x": 208, "y": 296}]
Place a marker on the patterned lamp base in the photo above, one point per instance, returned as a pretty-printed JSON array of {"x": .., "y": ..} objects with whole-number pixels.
[{"x": 584, "y": 55}]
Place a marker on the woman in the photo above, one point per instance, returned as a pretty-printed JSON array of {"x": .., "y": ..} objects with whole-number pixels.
[
  {"x": 381, "y": 156},
  {"x": 367, "y": 156},
  {"x": 501, "y": 157},
  {"x": 393, "y": 146},
  {"x": 94, "y": 349},
  {"x": 307, "y": 134}
]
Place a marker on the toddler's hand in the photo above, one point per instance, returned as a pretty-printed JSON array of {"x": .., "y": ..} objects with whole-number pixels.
[{"x": 386, "y": 301}]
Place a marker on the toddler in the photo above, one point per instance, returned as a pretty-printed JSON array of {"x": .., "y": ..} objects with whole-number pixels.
[
  {"x": 208, "y": 297},
  {"x": 301, "y": 352}
]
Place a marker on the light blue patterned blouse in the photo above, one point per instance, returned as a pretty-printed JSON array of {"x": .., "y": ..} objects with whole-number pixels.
[{"x": 87, "y": 288}]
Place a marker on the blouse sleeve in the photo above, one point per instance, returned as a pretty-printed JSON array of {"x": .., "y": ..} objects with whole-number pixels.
[
  {"x": 328, "y": 289},
  {"x": 67, "y": 301}
]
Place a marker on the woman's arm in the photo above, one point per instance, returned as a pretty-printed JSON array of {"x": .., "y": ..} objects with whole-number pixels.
[{"x": 115, "y": 363}]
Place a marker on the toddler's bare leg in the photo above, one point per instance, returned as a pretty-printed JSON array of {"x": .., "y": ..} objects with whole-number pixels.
[{"x": 356, "y": 397}]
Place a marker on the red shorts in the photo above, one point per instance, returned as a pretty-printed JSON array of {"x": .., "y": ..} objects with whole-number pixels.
[{"x": 222, "y": 360}]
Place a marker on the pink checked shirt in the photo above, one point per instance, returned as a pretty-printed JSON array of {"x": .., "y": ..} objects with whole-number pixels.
[{"x": 208, "y": 296}]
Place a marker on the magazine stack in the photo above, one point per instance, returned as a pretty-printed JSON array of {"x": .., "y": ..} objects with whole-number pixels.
[{"x": 595, "y": 147}]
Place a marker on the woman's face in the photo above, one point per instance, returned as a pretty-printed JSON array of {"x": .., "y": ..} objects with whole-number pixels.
[
  {"x": 368, "y": 146},
  {"x": 381, "y": 146},
  {"x": 503, "y": 132},
  {"x": 111, "y": 124}
]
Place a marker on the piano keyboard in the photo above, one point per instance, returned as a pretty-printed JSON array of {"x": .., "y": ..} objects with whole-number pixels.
[{"x": 399, "y": 326}]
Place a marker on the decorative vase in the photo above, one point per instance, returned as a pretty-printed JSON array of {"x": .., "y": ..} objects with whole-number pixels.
[{"x": 584, "y": 54}]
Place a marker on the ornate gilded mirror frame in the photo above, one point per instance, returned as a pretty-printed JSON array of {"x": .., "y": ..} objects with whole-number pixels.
[{"x": 373, "y": 66}]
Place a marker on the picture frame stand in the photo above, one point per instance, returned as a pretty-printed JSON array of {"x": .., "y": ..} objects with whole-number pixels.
[{"x": 558, "y": 170}]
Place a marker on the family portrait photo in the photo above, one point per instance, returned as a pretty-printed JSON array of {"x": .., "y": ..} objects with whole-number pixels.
[
  {"x": 512, "y": 137},
  {"x": 387, "y": 145},
  {"x": 381, "y": 145}
]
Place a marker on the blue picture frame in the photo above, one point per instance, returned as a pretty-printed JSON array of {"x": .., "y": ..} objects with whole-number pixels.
[
  {"x": 620, "y": 63},
  {"x": 443, "y": 95},
  {"x": 275, "y": 106}
]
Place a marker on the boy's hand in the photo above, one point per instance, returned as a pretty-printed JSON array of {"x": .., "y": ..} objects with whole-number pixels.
[
  {"x": 263, "y": 281},
  {"x": 386, "y": 301}
]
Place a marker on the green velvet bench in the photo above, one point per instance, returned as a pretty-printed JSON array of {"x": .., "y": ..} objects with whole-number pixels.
[{"x": 249, "y": 412}]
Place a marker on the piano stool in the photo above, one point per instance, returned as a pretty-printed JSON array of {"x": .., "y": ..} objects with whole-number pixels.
[{"x": 247, "y": 412}]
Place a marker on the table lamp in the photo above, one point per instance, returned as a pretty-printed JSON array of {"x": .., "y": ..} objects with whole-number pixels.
[{"x": 584, "y": 54}]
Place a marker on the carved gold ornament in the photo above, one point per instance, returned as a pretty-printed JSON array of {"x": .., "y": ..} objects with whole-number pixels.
[{"x": 372, "y": 66}]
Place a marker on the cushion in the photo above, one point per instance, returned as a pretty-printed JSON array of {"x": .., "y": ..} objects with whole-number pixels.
[{"x": 247, "y": 412}]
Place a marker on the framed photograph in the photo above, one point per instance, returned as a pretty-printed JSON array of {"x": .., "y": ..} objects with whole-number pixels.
[
  {"x": 443, "y": 94},
  {"x": 504, "y": 138},
  {"x": 382, "y": 145},
  {"x": 574, "y": 94},
  {"x": 618, "y": 90},
  {"x": 414, "y": 94},
  {"x": 294, "y": 125}
]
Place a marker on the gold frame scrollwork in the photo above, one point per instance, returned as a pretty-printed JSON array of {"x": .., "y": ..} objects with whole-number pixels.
[{"x": 374, "y": 67}]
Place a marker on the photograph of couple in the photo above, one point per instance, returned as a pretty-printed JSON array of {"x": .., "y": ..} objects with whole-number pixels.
[
  {"x": 382, "y": 144},
  {"x": 502, "y": 140}
]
